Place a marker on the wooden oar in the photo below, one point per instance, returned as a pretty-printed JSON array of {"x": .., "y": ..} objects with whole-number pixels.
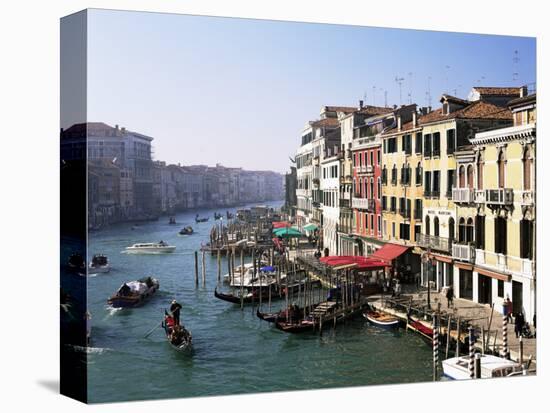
[{"x": 153, "y": 329}]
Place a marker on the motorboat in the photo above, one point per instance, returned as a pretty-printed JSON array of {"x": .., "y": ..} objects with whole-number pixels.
[
  {"x": 99, "y": 264},
  {"x": 186, "y": 231},
  {"x": 457, "y": 368},
  {"x": 381, "y": 320},
  {"x": 134, "y": 293},
  {"x": 151, "y": 248}
]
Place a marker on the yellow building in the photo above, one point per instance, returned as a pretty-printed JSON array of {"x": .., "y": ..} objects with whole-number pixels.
[
  {"x": 503, "y": 262},
  {"x": 446, "y": 131}
]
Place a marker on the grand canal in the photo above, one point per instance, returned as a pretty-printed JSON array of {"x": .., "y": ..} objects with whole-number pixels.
[{"x": 234, "y": 352}]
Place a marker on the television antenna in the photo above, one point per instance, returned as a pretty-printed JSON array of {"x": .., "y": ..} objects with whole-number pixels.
[
  {"x": 429, "y": 93},
  {"x": 385, "y": 98},
  {"x": 515, "y": 61},
  {"x": 409, "y": 95},
  {"x": 447, "y": 68},
  {"x": 399, "y": 81},
  {"x": 374, "y": 96}
]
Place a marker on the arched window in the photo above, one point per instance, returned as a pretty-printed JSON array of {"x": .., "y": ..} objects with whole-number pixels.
[
  {"x": 365, "y": 194},
  {"x": 461, "y": 230},
  {"x": 527, "y": 169},
  {"x": 379, "y": 192},
  {"x": 427, "y": 225},
  {"x": 451, "y": 229},
  {"x": 461, "y": 178},
  {"x": 470, "y": 230},
  {"x": 384, "y": 175},
  {"x": 479, "y": 166},
  {"x": 436, "y": 226},
  {"x": 501, "y": 164},
  {"x": 470, "y": 175},
  {"x": 371, "y": 188}
]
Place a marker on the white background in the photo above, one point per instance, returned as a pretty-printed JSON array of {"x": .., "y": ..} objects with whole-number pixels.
[{"x": 29, "y": 193}]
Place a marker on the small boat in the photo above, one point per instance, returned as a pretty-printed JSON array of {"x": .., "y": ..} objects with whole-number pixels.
[
  {"x": 197, "y": 219},
  {"x": 99, "y": 264},
  {"x": 172, "y": 221},
  {"x": 457, "y": 368},
  {"x": 301, "y": 326},
  {"x": 381, "y": 320},
  {"x": 247, "y": 297},
  {"x": 150, "y": 248},
  {"x": 217, "y": 216},
  {"x": 178, "y": 336},
  {"x": 422, "y": 329},
  {"x": 134, "y": 293},
  {"x": 186, "y": 231},
  {"x": 77, "y": 263}
]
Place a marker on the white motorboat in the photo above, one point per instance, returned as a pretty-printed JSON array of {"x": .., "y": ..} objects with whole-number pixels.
[
  {"x": 99, "y": 264},
  {"x": 151, "y": 248},
  {"x": 456, "y": 368},
  {"x": 262, "y": 278}
]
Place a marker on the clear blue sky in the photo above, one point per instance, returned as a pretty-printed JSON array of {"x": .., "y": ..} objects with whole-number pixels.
[{"x": 238, "y": 91}]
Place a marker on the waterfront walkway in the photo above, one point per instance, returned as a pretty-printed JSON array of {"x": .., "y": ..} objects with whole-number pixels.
[{"x": 477, "y": 315}]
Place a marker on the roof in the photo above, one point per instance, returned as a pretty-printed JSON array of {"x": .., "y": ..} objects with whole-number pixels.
[
  {"x": 374, "y": 110},
  {"x": 454, "y": 99},
  {"x": 345, "y": 109},
  {"x": 389, "y": 252},
  {"x": 358, "y": 262},
  {"x": 497, "y": 91},
  {"x": 330, "y": 122},
  {"x": 532, "y": 98}
]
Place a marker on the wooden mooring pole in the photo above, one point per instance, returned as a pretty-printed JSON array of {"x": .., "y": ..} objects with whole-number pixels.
[
  {"x": 203, "y": 263},
  {"x": 219, "y": 266},
  {"x": 196, "y": 268},
  {"x": 242, "y": 278}
]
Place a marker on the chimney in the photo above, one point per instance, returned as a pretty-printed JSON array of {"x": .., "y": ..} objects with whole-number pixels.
[
  {"x": 414, "y": 119},
  {"x": 123, "y": 129},
  {"x": 523, "y": 91},
  {"x": 116, "y": 127},
  {"x": 399, "y": 122},
  {"x": 360, "y": 104}
]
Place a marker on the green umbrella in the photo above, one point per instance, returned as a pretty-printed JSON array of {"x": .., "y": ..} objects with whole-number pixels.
[
  {"x": 310, "y": 227},
  {"x": 287, "y": 233}
]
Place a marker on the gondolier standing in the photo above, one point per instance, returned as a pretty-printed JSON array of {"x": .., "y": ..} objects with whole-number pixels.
[{"x": 175, "y": 309}]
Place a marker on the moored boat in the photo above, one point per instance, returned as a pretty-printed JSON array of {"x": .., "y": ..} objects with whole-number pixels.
[
  {"x": 99, "y": 264},
  {"x": 134, "y": 293},
  {"x": 381, "y": 320},
  {"x": 188, "y": 230},
  {"x": 247, "y": 297},
  {"x": 178, "y": 337},
  {"x": 421, "y": 328},
  {"x": 150, "y": 248},
  {"x": 457, "y": 368}
]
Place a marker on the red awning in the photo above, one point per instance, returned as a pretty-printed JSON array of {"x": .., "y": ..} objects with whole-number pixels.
[
  {"x": 389, "y": 252},
  {"x": 362, "y": 263},
  {"x": 280, "y": 224}
]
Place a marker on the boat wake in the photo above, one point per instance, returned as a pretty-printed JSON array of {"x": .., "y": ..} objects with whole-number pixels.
[
  {"x": 112, "y": 310},
  {"x": 90, "y": 350}
]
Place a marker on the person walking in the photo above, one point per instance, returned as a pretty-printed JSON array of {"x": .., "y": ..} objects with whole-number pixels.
[
  {"x": 175, "y": 309},
  {"x": 507, "y": 308},
  {"x": 519, "y": 323},
  {"x": 450, "y": 296}
]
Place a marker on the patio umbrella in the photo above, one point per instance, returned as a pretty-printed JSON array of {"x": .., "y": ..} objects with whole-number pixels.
[{"x": 287, "y": 233}]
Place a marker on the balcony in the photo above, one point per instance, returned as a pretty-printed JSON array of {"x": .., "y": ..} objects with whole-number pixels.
[
  {"x": 464, "y": 252},
  {"x": 527, "y": 198},
  {"x": 302, "y": 192},
  {"x": 315, "y": 181},
  {"x": 463, "y": 195},
  {"x": 433, "y": 242},
  {"x": 363, "y": 203},
  {"x": 344, "y": 203},
  {"x": 369, "y": 170},
  {"x": 500, "y": 196}
]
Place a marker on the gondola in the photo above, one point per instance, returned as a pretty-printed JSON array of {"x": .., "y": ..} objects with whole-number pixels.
[
  {"x": 217, "y": 216},
  {"x": 197, "y": 219},
  {"x": 172, "y": 221},
  {"x": 415, "y": 325},
  {"x": 183, "y": 341},
  {"x": 271, "y": 317},
  {"x": 299, "y": 327},
  {"x": 381, "y": 320},
  {"x": 249, "y": 297}
]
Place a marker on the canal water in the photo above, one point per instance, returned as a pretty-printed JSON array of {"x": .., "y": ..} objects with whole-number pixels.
[{"x": 234, "y": 352}]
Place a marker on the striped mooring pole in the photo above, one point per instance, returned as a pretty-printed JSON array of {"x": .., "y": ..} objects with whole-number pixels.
[
  {"x": 505, "y": 350},
  {"x": 471, "y": 364},
  {"x": 435, "y": 344}
]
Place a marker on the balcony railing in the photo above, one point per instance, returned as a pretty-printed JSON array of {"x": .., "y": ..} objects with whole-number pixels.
[
  {"x": 302, "y": 192},
  {"x": 433, "y": 242},
  {"x": 500, "y": 196},
  {"x": 363, "y": 203},
  {"x": 369, "y": 169},
  {"x": 527, "y": 198},
  {"x": 464, "y": 252},
  {"x": 463, "y": 195},
  {"x": 344, "y": 203}
]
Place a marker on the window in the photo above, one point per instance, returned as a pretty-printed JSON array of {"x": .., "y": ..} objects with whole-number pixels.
[
  {"x": 436, "y": 226},
  {"x": 384, "y": 175},
  {"x": 393, "y": 203},
  {"x": 371, "y": 188},
  {"x": 392, "y": 145},
  {"x": 404, "y": 231},
  {"x": 407, "y": 144},
  {"x": 450, "y": 182},
  {"x": 379, "y": 223},
  {"x": 437, "y": 183},
  {"x": 427, "y": 225},
  {"x": 379, "y": 192},
  {"x": 480, "y": 232},
  {"x": 393, "y": 229},
  {"x": 501, "y": 169},
  {"x": 527, "y": 169},
  {"x": 372, "y": 158},
  {"x": 526, "y": 236},
  {"x": 479, "y": 166},
  {"x": 378, "y": 158},
  {"x": 394, "y": 175},
  {"x": 500, "y": 235},
  {"x": 384, "y": 203},
  {"x": 466, "y": 289},
  {"x": 500, "y": 288},
  {"x": 418, "y": 209},
  {"x": 417, "y": 230},
  {"x": 436, "y": 145},
  {"x": 470, "y": 176},
  {"x": 427, "y": 145},
  {"x": 418, "y": 142},
  {"x": 451, "y": 141},
  {"x": 428, "y": 183},
  {"x": 372, "y": 223},
  {"x": 461, "y": 230},
  {"x": 451, "y": 229},
  {"x": 470, "y": 230},
  {"x": 461, "y": 177},
  {"x": 418, "y": 173}
]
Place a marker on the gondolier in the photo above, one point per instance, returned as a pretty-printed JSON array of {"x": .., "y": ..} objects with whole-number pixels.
[{"x": 175, "y": 309}]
